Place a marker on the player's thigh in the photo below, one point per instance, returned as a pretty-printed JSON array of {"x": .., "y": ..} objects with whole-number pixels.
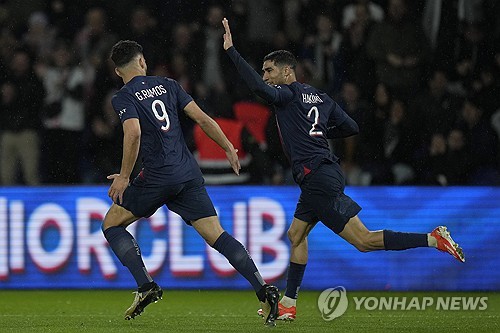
[
  {"x": 118, "y": 216},
  {"x": 355, "y": 232},
  {"x": 322, "y": 194},
  {"x": 192, "y": 203}
]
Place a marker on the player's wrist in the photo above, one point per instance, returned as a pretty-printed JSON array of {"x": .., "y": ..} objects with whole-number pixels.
[{"x": 124, "y": 177}]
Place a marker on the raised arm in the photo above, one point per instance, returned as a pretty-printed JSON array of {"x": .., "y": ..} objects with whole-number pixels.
[
  {"x": 254, "y": 81},
  {"x": 214, "y": 132}
]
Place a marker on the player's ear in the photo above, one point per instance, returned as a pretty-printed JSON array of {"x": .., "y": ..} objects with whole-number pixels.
[
  {"x": 117, "y": 71},
  {"x": 142, "y": 62}
]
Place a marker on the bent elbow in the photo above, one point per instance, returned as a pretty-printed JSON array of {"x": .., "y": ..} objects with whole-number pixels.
[{"x": 355, "y": 129}]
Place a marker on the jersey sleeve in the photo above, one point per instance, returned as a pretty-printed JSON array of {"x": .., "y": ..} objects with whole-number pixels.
[
  {"x": 124, "y": 106},
  {"x": 183, "y": 98},
  {"x": 278, "y": 95},
  {"x": 340, "y": 125}
]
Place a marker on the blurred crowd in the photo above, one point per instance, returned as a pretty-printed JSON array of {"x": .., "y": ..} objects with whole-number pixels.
[{"x": 421, "y": 78}]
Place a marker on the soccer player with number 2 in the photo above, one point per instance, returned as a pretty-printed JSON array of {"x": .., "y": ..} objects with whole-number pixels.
[
  {"x": 148, "y": 107},
  {"x": 306, "y": 118}
]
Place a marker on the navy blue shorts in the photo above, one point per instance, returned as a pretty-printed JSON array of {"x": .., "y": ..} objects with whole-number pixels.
[
  {"x": 189, "y": 200},
  {"x": 322, "y": 198}
]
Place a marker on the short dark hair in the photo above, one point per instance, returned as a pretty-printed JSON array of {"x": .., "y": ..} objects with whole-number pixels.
[
  {"x": 281, "y": 58},
  {"x": 124, "y": 51}
]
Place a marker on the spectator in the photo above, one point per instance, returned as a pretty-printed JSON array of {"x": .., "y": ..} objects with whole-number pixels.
[
  {"x": 350, "y": 13},
  {"x": 94, "y": 39},
  {"x": 399, "y": 50},
  {"x": 22, "y": 94},
  {"x": 471, "y": 52},
  {"x": 433, "y": 169},
  {"x": 321, "y": 54},
  {"x": 348, "y": 149},
  {"x": 457, "y": 158},
  {"x": 486, "y": 88},
  {"x": 358, "y": 65},
  {"x": 64, "y": 116},
  {"x": 142, "y": 30},
  {"x": 371, "y": 150},
  {"x": 399, "y": 145},
  {"x": 482, "y": 145},
  {"x": 40, "y": 37},
  {"x": 442, "y": 21},
  {"x": 105, "y": 141},
  {"x": 435, "y": 109}
]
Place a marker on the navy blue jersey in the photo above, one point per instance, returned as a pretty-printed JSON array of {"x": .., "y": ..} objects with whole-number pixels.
[
  {"x": 306, "y": 117},
  {"x": 155, "y": 101}
]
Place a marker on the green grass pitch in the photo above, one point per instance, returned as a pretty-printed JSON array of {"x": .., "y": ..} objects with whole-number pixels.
[{"x": 224, "y": 311}]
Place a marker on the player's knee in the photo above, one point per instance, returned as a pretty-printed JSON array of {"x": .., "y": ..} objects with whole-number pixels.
[
  {"x": 112, "y": 219},
  {"x": 365, "y": 243},
  {"x": 362, "y": 247},
  {"x": 294, "y": 237}
]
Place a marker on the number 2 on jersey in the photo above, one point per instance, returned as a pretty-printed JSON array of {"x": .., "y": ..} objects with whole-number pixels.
[
  {"x": 163, "y": 116},
  {"x": 314, "y": 131}
]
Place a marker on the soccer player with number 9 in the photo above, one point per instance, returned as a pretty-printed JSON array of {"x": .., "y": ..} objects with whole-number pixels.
[{"x": 148, "y": 108}]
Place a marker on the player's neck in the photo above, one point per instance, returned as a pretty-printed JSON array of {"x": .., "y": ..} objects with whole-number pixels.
[{"x": 129, "y": 76}]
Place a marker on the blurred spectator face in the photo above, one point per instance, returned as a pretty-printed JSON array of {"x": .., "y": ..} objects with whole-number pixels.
[
  {"x": 381, "y": 95},
  {"x": 37, "y": 23},
  {"x": 215, "y": 16},
  {"x": 487, "y": 77},
  {"x": 96, "y": 21},
  {"x": 302, "y": 74},
  {"x": 438, "y": 144},
  {"x": 438, "y": 82},
  {"x": 182, "y": 35},
  {"x": 61, "y": 56},
  {"x": 350, "y": 92},
  {"x": 324, "y": 24},
  {"x": 471, "y": 113},
  {"x": 141, "y": 21},
  {"x": 397, "y": 112},
  {"x": 397, "y": 10},
  {"x": 8, "y": 93},
  {"x": 280, "y": 42},
  {"x": 456, "y": 140},
  {"x": 362, "y": 13},
  {"x": 20, "y": 64},
  {"x": 179, "y": 64}
]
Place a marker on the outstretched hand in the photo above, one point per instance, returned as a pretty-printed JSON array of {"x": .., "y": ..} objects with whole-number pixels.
[
  {"x": 228, "y": 40},
  {"x": 232, "y": 157}
]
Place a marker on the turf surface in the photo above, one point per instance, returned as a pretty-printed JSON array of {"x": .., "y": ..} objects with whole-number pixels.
[{"x": 224, "y": 311}]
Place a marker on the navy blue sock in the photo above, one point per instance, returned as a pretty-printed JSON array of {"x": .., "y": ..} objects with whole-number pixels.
[
  {"x": 403, "y": 240},
  {"x": 239, "y": 258},
  {"x": 127, "y": 250},
  {"x": 294, "y": 279}
]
